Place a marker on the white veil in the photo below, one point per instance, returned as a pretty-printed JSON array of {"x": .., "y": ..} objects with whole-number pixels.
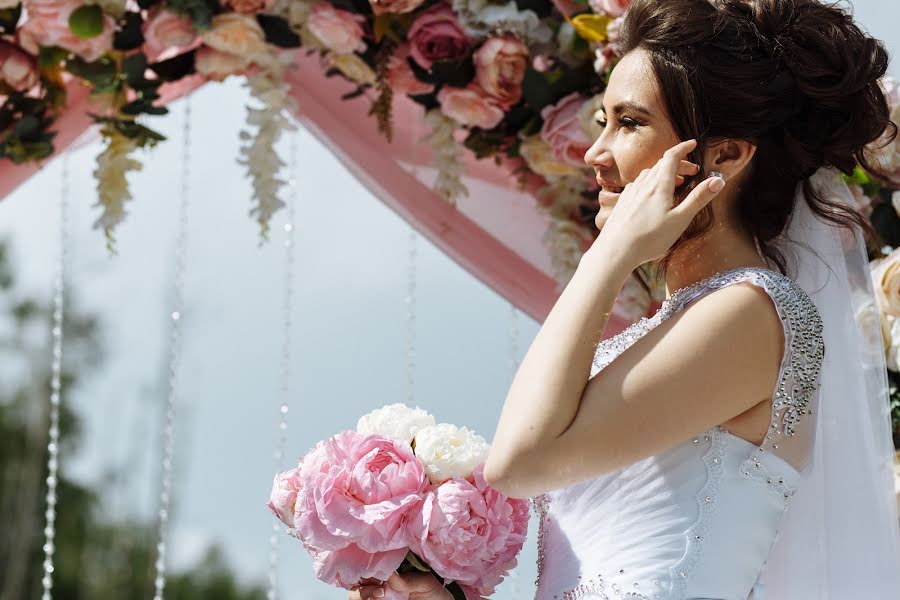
[{"x": 839, "y": 538}]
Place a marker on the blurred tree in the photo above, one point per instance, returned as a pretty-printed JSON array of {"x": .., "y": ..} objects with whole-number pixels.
[{"x": 96, "y": 557}]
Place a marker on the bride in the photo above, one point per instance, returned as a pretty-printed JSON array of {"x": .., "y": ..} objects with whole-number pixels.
[{"x": 736, "y": 444}]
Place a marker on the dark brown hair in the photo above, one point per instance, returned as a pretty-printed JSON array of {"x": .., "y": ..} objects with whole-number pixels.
[{"x": 797, "y": 78}]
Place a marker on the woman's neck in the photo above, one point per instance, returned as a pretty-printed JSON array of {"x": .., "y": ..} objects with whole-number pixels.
[{"x": 721, "y": 249}]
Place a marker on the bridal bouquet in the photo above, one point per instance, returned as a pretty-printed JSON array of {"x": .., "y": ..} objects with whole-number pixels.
[{"x": 402, "y": 493}]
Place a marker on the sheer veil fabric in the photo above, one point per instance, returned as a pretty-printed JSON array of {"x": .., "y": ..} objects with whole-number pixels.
[{"x": 839, "y": 538}]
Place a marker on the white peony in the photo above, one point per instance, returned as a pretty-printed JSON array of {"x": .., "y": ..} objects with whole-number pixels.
[
  {"x": 449, "y": 451},
  {"x": 396, "y": 421}
]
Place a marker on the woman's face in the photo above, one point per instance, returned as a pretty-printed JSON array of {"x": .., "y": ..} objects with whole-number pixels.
[{"x": 635, "y": 130}]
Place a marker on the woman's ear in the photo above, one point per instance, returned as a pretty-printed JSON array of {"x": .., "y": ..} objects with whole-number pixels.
[{"x": 729, "y": 156}]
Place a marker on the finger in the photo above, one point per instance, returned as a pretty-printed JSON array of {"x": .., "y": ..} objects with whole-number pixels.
[
  {"x": 370, "y": 592},
  {"x": 671, "y": 162},
  {"x": 699, "y": 197}
]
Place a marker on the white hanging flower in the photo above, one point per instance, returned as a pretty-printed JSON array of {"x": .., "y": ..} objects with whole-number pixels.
[
  {"x": 449, "y": 451},
  {"x": 113, "y": 192},
  {"x": 397, "y": 421},
  {"x": 483, "y": 18},
  {"x": 447, "y": 156},
  {"x": 258, "y": 152},
  {"x": 564, "y": 238}
]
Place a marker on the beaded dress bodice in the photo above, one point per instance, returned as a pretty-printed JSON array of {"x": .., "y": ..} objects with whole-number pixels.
[{"x": 696, "y": 521}]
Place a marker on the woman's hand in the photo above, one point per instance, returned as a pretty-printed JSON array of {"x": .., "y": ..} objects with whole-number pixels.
[
  {"x": 644, "y": 222},
  {"x": 411, "y": 586}
]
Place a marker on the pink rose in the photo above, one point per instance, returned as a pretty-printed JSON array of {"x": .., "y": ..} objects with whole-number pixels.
[
  {"x": 247, "y": 7},
  {"x": 380, "y": 7},
  {"x": 437, "y": 35},
  {"x": 400, "y": 75},
  {"x": 500, "y": 68},
  {"x": 613, "y": 8},
  {"x": 167, "y": 29},
  {"x": 48, "y": 25},
  {"x": 562, "y": 130},
  {"x": 358, "y": 489},
  {"x": 345, "y": 567},
  {"x": 470, "y": 106},
  {"x": 469, "y": 532},
  {"x": 339, "y": 30},
  {"x": 17, "y": 68},
  {"x": 283, "y": 498},
  {"x": 216, "y": 65},
  {"x": 603, "y": 57}
]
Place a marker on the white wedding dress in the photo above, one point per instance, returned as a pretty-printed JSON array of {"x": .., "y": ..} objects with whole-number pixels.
[{"x": 698, "y": 520}]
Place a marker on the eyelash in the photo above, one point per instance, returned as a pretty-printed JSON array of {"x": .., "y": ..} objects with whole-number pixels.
[{"x": 627, "y": 123}]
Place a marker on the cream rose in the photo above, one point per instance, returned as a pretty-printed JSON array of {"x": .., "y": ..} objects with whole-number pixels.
[
  {"x": 238, "y": 34},
  {"x": 470, "y": 106},
  {"x": 338, "y": 30},
  {"x": 886, "y": 281},
  {"x": 449, "y": 451},
  {"x": 216, "y": 65},
  {"x": 539, "y": 157},
  {"x": 395, "y": 421}
]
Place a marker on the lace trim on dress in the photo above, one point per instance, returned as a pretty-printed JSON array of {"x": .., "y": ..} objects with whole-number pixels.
[{"x": 706, "y": 504}]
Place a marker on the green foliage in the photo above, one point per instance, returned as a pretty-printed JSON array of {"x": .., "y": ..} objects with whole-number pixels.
[
  {"x": 24, "y": 128},
  {"x": 96, "y": 558},
  {"x": 86, "y": 21}
]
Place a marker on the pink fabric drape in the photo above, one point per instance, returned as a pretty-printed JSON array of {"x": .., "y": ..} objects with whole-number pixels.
[{"x": 495, "y": 233}]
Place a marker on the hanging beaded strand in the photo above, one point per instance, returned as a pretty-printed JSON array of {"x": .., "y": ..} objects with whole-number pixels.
[
  {"x": 165, "y": 495},
  {"x": 287, "y": 308},
  {"x": 55, "y": 383}
]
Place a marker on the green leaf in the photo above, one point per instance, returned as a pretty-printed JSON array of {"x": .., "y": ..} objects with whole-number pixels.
[
  {"x": 536, "y": 90},
  {"x": 278, "y": 31},
  {"x": 26, "y": 125},
  {"x": 129, "y": 35},
  {"x": 9, "y": 18},
  {"x": 86, "y": 21},
  {"x": 134, "y": 67},
  {"x": 176, "y": 67},
  {"x": 414, "y": 561},
  {"x": 51, "y": 56},
  {"x": 455, "y": 73},
  {"x": 101, "y": 72}
]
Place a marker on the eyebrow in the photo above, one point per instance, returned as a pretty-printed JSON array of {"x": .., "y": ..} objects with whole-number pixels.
[{"x": 626, "y": 104}]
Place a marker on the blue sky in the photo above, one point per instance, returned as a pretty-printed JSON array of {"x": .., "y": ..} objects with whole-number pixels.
[{"x": 349, "y": 327}]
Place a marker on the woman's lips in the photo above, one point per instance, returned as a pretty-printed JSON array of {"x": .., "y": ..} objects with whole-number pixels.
[{"x": 607, "y": 198}]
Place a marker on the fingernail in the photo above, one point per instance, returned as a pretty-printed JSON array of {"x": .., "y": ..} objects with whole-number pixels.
[
  {"x": 378, "y": 593},
  {"x": 716, "y": 184}
]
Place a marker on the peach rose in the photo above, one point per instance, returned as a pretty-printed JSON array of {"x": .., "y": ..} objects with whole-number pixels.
[
  {"x": 500, "y": 68},
  {"x": 470, "y": 106},
  {"x": 238, "y": 34},
  {"x": 247, "y": 7},
  {"x": 380, "y": 7},
  {"x": 167, "y": 29},
  {"x": 400, "y": 75},
  {"x": 563, "y": 132},
  {"x": 886, "y": 281},
  {"x": 216, "y": 65},
  {"x": 17, "y": 68},
  {"x": 48, "y": 25},
  {"x": 338, "y": 30},
  {"x": 437, "y": 35}
]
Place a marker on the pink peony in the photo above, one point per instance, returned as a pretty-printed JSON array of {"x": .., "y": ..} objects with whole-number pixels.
[
  {"x": 338, "y": 30},
  {"x": 500, "y": 68},
  {"x": 216, "y": 65},
  {"x": 437, "y": 35},
  {"x": 283, "y": 498},
  {"x": 345, "y": 567},
  {"x": 562, "y": 130},
  {"x": 17, "y": 68},
  {"x": 400, "y": 75},
  {"x": 613, "y": 8},
  {"x": 48, "y": 25},
  {"x": 358, "y": 489},
  {"x": 469, "y": 532},
  {"x": 470, "y": 106},
  {"x": 165, "y": 30},
  {"x": 380, "y": 7},
  {"x": 247, "y": 7}
]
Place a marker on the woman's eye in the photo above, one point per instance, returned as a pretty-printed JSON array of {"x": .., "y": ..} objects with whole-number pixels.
[
  {"x": 626, "y": 122},
  {"x": 600, "y": 123}
]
